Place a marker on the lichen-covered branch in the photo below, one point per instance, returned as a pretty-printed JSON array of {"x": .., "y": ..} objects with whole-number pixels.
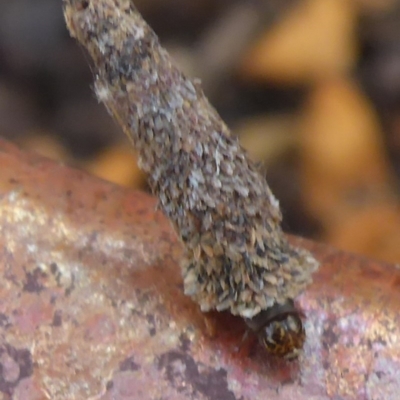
[{"x": 237, "y": 257}]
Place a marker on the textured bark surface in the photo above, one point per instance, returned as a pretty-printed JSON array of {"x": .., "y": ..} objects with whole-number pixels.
[
  {"x": 92, "y": 306},
  {"x": 236, "y": 256}
]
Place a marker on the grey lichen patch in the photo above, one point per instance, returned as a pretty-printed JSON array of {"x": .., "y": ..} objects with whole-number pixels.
[
  {"x": 183, "y": 373},
  {"x": 57, "y": 319},
  {"x": 237, "y": 257},
  {"x": 15, "y": 364},
  {"x": 34, "y": 280},
  {"x": 129, "y": 364}
]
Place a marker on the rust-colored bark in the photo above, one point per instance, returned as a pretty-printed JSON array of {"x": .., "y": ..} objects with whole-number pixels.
[{"x": 92, "y": 306}]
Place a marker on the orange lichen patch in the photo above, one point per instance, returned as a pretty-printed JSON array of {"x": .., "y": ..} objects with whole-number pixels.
[
  {"x": 342, "y": 150},
  {"x": 376, "y": 5},
  {"x": 372, "y": 230},
  {"x": 315, "y": 40},
  {"x": 45, "y": 145},
  {"x": 117, "y": 164},
  {"x": 267, "y": 138},
  {"x": 347, "y": 181}
]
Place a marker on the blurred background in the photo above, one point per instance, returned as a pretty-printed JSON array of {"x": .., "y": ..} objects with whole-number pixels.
[{"x": 312, "y": 87}]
